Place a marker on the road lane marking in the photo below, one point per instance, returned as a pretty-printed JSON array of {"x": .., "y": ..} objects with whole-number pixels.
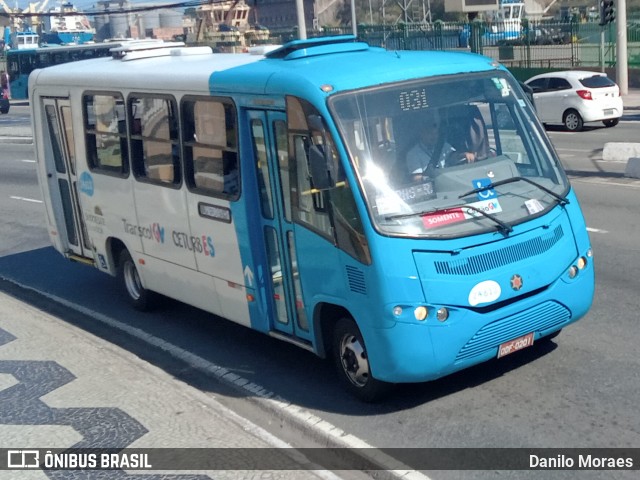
[
  {"x": 321, "y": 429},
  {"x": 28, "y": 161},
  {"x": 596, "y": 230},
  {"x": 25, "y": 199}
]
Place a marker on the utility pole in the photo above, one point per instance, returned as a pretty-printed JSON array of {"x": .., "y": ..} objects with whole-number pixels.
[
  {"x": 622, "y": 70},
  {"x": 302, "y": 27}
]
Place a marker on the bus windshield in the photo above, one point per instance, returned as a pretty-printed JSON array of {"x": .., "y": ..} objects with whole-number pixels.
[{"x": 449, "y": 156}]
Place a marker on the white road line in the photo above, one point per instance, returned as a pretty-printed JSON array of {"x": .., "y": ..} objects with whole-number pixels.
[
  {"x": 592, "y": 181},
  {"x": 566, "y": 149},
  {"x": 24, "y": 199},
  {"x": 596, "y": 230},
  {"x": 28, "y": 161},
  {"x": 321, "y": 427}
]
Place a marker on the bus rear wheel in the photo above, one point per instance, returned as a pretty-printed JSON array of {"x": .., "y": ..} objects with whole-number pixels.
[
  {"x": 352, "y": 363},
  {"x": 138, "y": 296}
]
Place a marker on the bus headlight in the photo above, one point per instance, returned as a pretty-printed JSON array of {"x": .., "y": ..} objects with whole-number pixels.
[
  {"x": 397, "y": 311},
  {"x": 420, "y": 313},
  {"x": 442, "y": 314},
  {"x": 582, "y": 262},
  {"x": 573, "y": 271}
]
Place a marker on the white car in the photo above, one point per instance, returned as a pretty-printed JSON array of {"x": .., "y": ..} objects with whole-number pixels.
[{"x": 575, "y": 97}]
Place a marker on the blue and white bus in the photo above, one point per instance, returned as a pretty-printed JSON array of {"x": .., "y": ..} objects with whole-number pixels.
[
  {"x": 21, "y": 62},
  {"x": 273, "y": 189}
]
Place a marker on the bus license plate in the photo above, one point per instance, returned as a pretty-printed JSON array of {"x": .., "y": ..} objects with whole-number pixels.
[{"x": 516, "y": 344}]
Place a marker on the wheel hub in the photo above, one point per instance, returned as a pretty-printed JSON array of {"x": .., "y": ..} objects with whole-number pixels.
[{"x": 354, "y": 360}]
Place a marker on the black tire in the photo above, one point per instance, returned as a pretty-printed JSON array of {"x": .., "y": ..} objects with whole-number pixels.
[
  {"x": 350, "y": 359},
  {"x": 573, "y": 121},
  {"x": 139, "y": 297},
  {"x": 611, "y": 123}
]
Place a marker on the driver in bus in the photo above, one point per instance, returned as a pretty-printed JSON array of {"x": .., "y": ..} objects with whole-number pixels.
[{"x": 432, "y": 150}]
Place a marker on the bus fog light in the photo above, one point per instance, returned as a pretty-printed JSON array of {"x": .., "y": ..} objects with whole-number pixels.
[
  {"x": 590, "y": 253},
  {"x": 582, "y": 262},
  {"x": 420, "y": 313},
  {"x": 573, "y": 271},
  {"x": 397, "y": 311},
  {"x": 442, "y": 314}
]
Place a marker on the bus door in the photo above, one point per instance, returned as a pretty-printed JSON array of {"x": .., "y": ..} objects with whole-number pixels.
[
  {"x": 60, "y": 161},
  {"x": 269, "y": 137}
]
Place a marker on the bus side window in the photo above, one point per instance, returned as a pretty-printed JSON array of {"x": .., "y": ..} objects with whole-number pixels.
[
  {"x": 155, "y": 155},
  {"x": 105, "y": 139},
  {"x": 210, "y": 147}
]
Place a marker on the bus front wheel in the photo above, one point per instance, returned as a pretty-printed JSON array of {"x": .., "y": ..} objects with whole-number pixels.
[
  {"x": 352, "y": 363},
  {"x": 139, "y": 297}
]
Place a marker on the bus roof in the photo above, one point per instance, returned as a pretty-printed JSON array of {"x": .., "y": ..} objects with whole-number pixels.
[{"x": 296, "y": 71}]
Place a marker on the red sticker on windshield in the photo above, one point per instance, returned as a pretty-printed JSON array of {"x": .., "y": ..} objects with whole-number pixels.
[{"x": 442, "y": 218}]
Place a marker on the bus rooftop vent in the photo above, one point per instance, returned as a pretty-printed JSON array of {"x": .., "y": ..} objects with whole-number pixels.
[
  {"x": 317, "y": 46},
  {"x": 144, "y": 49}
]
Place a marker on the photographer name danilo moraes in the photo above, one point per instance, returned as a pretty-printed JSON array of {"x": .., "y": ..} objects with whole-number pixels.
[{"x": 583, "y": 462}]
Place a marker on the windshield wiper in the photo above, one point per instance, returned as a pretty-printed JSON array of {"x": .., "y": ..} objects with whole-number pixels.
[
  {"x": 562, "y": 200},
  {"x": 503, "y": 227}
]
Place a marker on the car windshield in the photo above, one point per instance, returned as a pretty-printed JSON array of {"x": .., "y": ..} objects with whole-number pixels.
[
  {"x": 597, "y": 81},
  {"x": 449, "y": 156}
]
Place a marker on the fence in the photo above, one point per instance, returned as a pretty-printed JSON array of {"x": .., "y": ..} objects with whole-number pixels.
[{"x": 532, "y": 46}]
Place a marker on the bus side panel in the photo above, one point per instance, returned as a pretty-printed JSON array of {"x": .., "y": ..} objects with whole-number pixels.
[
  {"x": 181, "y": 283},
  {"x": 214, "y": 224},
  {"x": 108, "y": 215}
]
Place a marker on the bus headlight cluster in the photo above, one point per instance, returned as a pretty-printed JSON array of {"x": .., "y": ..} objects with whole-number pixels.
[
  {"x": 580, "y": 265},
  {"x": 420, "y": 313}
]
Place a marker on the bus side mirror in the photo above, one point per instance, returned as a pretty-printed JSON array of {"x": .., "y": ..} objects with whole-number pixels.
[{"x": 319, "y": 168}]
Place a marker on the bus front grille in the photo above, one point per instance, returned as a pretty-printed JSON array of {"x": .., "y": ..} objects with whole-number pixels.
[
  {"x": 540, "y": 317},
  {"x": 502, "y": 256}
]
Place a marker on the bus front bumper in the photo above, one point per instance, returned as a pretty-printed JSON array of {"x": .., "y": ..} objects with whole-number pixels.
[{"x": 423, "y": 351}]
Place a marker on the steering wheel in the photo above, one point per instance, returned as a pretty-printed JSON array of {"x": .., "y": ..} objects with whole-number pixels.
[{"x": 456, "y": 158}]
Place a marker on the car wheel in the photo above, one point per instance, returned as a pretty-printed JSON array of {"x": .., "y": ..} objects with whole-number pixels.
[
  {"x": 611, "y": 123},
  {"x": 352, "y": 363},
  {"x": 139, "y": 297},
  {"x": 573, "y": 121}
]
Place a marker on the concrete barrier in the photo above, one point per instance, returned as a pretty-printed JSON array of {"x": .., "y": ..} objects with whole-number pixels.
[
  {"x": 633, "y": 168},
  {"x": 620, "y": 151}
]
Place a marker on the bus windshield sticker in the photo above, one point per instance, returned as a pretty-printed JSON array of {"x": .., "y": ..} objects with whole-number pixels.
[
  {"x": 502, "y": 85},
  {"x": 459, "y": 214},
  {"x": 487, "y": 206},
  {"x": 485, "y": 193},
  {"x": 484, "y": 292},
  {"x": 443, "y": 218},
  {"x": 533, "y": 206},
  {"x": 214, "y": 212}
]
